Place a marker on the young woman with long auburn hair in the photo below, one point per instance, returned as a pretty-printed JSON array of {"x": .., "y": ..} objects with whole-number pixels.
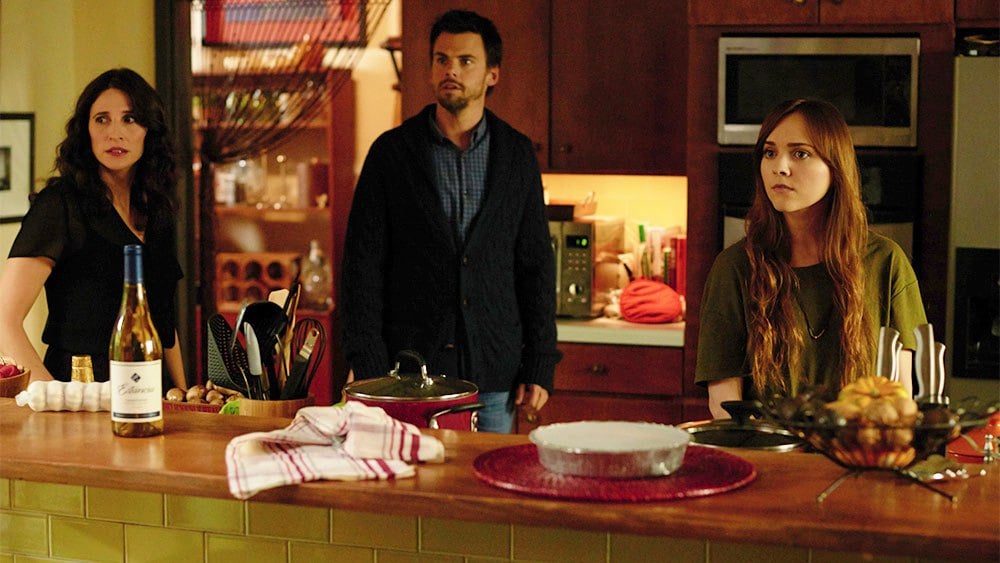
[{"x": 800, "y": 299}]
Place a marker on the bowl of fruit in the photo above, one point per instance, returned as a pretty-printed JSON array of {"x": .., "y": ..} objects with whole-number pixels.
[
  {"x": 13, "y": 377},
  {"x": 873, "y": 423}
]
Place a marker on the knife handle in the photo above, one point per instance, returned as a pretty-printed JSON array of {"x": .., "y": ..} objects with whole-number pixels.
[
  {"x": 254, "y": 360},
  {"x": 294, "y": 381},
  {"x": 897, "y": 351},
  {"x": 923, "y": 362},
  {"x": 297, "y": 377},
  {"x": 936, "y": 386},
  {"x": 887, "y": 355}
]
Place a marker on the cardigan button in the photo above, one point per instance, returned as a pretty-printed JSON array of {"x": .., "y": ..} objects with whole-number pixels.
[
  {"x": 465, "y": 260},
  {"x": 465, "y": 302},
  {"x": 449, "y": 346}
]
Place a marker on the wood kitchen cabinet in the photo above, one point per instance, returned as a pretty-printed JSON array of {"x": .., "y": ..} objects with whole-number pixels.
[
  {"x": 977, "y": 13},
  {"x": 823, "y": 12},
  {"x": 710, "y": 20},
  {"x": 598, "y": 86},
  {"x": 618, "y": 75},
  {"x": 613, "y": 382},
  {"x": 521, "y": 96}
]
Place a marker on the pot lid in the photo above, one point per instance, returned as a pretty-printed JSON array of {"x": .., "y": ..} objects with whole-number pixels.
[
  {"x": 746, "y": 437},
  {"x": 411, "y": 386},
  {"x": 743, "y": 431}
]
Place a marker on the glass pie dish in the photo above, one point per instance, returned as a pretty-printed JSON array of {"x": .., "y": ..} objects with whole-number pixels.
[{"x": 610, "y": 449}]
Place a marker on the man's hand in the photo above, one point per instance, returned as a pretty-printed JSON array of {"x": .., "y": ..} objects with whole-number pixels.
[{"x": 532, "y": 397}]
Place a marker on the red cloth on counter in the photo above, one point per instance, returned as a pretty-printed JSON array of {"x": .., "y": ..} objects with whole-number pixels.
[{"x": 648, "y": 301}]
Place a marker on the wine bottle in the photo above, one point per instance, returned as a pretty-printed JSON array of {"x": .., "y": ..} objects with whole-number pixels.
[
  {"x": 136, "y": 359},
  {"x": 317, "y": 280}
]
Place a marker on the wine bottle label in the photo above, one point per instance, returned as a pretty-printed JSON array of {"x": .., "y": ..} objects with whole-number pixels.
[{"x": 136, "y": 391}]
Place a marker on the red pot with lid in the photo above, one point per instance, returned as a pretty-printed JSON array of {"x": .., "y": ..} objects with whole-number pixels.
[{"x": 426, "y": 401}]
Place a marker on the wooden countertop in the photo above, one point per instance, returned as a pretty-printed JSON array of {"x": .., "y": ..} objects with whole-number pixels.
[{"x": 877, "y": 512}]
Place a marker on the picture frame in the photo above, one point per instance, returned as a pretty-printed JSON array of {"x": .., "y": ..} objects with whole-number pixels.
[
  {"x": 17, "y": 165},
  {"x": 268, "y": 23}
]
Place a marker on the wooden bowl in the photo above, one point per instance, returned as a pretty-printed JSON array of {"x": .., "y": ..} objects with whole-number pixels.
[{"x": 11, "y": 386}]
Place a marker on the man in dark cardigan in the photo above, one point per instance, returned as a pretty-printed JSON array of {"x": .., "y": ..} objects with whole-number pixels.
[{"x": 447, "y": 250}]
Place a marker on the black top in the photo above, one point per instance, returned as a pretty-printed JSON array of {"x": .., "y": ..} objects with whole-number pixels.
[
  {"x": 84, "y": 290},
  {"x": 482, "y": 309}
]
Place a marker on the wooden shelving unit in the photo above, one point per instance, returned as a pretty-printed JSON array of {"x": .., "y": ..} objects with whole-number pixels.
[{"x": 268, "y": 232}]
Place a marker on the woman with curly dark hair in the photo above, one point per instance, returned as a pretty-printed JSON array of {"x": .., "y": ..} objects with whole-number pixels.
[
  {"x": 800, "y": 300},
  {"x": 116, "y": 183}
]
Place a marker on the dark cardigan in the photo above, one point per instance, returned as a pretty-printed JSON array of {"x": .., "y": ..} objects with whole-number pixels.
[{"x": 408, "y": 284}]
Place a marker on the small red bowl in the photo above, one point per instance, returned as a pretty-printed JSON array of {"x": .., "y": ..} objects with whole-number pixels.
[{"x": 11, "y": 386}]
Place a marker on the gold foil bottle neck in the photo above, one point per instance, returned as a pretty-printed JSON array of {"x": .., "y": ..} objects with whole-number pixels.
[{"x": 82, "y": 369}]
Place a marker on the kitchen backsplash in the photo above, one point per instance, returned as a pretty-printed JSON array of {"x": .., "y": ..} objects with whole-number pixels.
[{"x": 654, "y": 200}]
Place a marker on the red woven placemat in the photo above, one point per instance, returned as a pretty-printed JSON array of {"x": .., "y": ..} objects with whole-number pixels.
[{"x": 705, "y": 471}]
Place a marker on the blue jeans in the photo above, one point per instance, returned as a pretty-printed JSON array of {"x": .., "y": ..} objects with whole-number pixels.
[{"x": 497, "y": 415}]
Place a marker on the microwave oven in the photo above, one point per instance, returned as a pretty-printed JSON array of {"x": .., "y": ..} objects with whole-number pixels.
[
  {"x": 586, "y": 251},
  {"x": 871, "y": 80}
]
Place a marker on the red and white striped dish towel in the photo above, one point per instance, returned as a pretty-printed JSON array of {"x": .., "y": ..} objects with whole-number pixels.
[{"x": 342, "y": 443}]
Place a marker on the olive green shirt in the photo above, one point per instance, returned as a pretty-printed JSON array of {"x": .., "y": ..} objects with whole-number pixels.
[{"x": 891, "y": 295}]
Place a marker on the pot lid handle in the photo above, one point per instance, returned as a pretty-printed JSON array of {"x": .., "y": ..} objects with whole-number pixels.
[
  {"x": 425, "y": 380},
  {"x": 742, "y": 411}
]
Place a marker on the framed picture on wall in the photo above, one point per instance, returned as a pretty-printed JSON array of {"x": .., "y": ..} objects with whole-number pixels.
[{"x": 17, "y": 163}]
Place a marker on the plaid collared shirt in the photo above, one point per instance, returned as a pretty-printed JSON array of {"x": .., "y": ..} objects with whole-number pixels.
[{"x": 460, "y": 176}]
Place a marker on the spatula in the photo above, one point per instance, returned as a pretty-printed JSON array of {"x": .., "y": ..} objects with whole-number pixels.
[
  {"x": 226, "y": 366},
  {"x": 268, "y": 321},
  {"x": 236, "y": 327}
]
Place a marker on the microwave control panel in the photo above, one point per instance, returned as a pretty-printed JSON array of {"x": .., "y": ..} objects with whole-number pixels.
[
  {"x": 572, "y": 244},
  {"x": 584, "y": 250}
]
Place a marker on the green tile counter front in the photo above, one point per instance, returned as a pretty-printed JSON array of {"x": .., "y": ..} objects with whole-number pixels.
[{"x": 72, "y": 491}]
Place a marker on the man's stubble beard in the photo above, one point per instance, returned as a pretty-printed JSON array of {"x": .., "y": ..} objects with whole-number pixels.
[{"x": 453, "y": 105}]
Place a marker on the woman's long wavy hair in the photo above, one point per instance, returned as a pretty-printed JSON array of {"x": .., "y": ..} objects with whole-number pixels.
[
  {"x": 154, "y": 182},
  {"x": 775, "y": 342}
]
